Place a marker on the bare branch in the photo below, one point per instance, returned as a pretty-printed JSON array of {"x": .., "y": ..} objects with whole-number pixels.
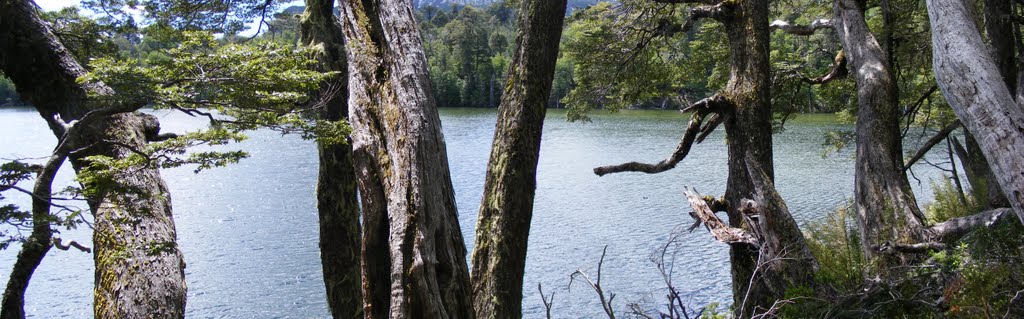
[
  {"x": 714, "y": 104},
  {"x": 797, "y": 29},
  {"x": 606, "y": 303},
  {"x": 57, "y": 243},
  {"x": 548, "y": 301},
  {"x": 931, "y": 143}
]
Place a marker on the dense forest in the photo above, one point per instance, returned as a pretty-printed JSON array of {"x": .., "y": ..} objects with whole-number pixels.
[{"x": 364, "y": 79}]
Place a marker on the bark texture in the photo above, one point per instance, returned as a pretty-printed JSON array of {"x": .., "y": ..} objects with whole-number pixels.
[
  {"x": 886, "y": 208},
  {"x": 139, "y": 268},
  {"x": 337, "y": 201},
  {"x": 503, "y": 225},
  {"x": 760, "y": 276},
  {"x": 973, "y": 86},
  {"x": 414, "y": 256}
]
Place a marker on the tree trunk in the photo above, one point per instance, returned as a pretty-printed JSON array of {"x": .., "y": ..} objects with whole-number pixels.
[
  {"x": 139, "y": 268},
  {"x": 885, "y": 204},
  {"x": 503, "y": 226},
  {"x": 973, "y": 86},
  {"x": 998, "y": 28},
  {"x": 337, "y": 201},
  {"x": 414, "y": 256},
  {"x": 39, "y": 242},
  {"x": 783, "y": 262}
]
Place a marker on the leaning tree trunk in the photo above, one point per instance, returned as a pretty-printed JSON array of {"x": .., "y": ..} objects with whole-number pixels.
[
  {"x": 998, "y": 28},
  {"x": 783, "y": 261},
  {"x": 414, "y": 256},
  {"x": 503, "y": 226},
  {"x": 885, "y": 204},
  {"x": 336, "y": 194},
  {"x": 974, "y": 88},
  {"x": 139, "y": 268}
]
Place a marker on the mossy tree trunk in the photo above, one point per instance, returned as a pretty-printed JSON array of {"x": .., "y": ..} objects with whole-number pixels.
[
  {"x": 503, "y": 225},
  {"x": 414, "y": 256},
  {"x": 139, "y": 268},
  {"x": 886, "y": 208},
  {"x": 760, "y": 277},
  {"x": 337, "y": 201}
]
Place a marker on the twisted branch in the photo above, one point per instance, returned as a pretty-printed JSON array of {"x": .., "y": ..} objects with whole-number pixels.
[{"x": 716, "y": 104}]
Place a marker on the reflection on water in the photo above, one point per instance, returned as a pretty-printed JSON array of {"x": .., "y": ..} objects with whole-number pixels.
[{"x": 249, "y": 231}]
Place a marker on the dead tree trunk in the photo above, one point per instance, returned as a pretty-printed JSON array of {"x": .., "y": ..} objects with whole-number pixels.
[
  {"x": 973, "y": 86},
  {"x": 762, "y": 273},
  {"x": 885, "y": 204},
  {"x": 139, "y": 268},
  {"x": 414, "y": 257},
  {"x": 336, "y": 194},
  {"x": 503, "y": 225}
]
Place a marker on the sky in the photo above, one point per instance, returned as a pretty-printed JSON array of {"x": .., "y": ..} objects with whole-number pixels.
[{"x": 53, "y": 5}]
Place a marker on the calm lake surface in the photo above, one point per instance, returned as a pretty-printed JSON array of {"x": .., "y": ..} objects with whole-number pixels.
[{"x": 249, "y": 231}]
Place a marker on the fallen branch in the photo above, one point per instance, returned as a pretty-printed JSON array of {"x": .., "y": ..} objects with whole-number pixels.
[{"x": 958, "y": 227}]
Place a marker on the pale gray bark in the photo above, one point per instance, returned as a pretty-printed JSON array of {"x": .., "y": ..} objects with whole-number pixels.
[{"x": 973, "y": 86}]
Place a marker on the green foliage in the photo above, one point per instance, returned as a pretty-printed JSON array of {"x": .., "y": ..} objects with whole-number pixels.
[
  {"x": 981, "y": 275},
  {"x": 835, "y": 243},
  {"x": 836, "y": 141},
  {"x": 712, "y": 312},
  {"x": 8, "y": 93},
  {"x": 950, "y": 202},
  {"x": 85, "y": 37},
  {"x": 238, "y": 86},
  {"x": 641, "y": 72},
  {"x": 468, "y": 51}
]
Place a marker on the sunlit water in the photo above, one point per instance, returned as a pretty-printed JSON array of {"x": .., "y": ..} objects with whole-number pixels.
[{"x": 249, "y": 231}]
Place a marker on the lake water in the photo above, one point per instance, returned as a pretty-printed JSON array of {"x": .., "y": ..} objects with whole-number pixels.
[{"x": 249, "y": 231}]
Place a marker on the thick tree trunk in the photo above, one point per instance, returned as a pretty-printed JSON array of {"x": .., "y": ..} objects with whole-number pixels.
[
  {"x": 139, "y": 268},
  {"x": 337, "y": 200},
  {"x": 39, "y": 242},
  {"x": 414, "y": 256},
  {"x": 973, "y": 86},
  {"x": 503, "y": 226},
  {"x": 999, "y": 30},
  {"x": 885, "y": 204},
  {"x": 783, "y": 262}
]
